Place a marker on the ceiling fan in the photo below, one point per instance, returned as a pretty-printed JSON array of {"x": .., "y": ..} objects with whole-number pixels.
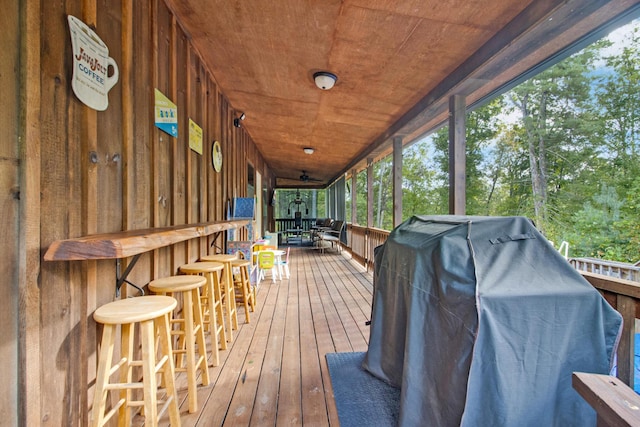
[{"x": 306, "y": 178}]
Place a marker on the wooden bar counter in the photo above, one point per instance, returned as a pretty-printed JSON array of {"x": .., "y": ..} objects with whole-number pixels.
[{"x": 132, "y": 242}]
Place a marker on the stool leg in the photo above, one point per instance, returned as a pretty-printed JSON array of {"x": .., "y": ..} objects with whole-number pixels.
[
  {"x": 102, "y": 375},
  {"x": 250, "y": 291},
  {"x": 194, "y": 333},
  {"x": 179, "y": 337},
  {"x": 126, "y": 372},
  {"x": 149, "y": 380},
  {"x": 234, "y": 307},
  {"x": 189, "y": 338},
  {"x": 219, "y": 312},
  {"x": 204, "y": 303},
  {"x": 168, "y": 372},
  {"x": 230, "y": 302},
  {"x": 214, "y": 328},
  {"x": 228, "y": 278},
  {"x": 254, "y": 297},
  {"x": 244, "y": 281},
  {"x": 200, "y": 340}
]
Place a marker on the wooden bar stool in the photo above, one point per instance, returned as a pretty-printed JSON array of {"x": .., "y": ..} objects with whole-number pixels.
[
  {"x": 190, "y": 330},
  {"x": 213, "y": 314},
  {"x": 228, "y": 292},
  {"x": 247, "y": 294},
  {"x": 152, "y": 314}
]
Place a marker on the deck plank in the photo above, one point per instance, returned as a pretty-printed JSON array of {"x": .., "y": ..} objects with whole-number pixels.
[
  {"x": 264, "y": 409},
  {"x": 314, "y": 405},
  {"x": 290, "y": 401},
  {"x": 242, "y": 404}
]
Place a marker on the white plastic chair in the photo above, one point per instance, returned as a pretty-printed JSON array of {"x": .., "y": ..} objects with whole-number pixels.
[
  {"x": 283, "y": 264},
  {"x": 266, "y": 261}
]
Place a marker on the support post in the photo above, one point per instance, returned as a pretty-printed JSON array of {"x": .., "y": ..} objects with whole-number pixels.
[
  {"x": 369, "y": 192},
  {"x": 354, "y": 196},
  {"x": 397, "y": 180},
  {"x": 457, "y": 155}
]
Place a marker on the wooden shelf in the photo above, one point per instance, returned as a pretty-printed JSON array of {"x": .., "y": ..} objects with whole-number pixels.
[{"x": 132, "y": 242}]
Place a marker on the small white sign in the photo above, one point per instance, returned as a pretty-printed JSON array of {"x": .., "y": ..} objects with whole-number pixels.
[
  {"x": 91, "y": 81},
  {"x": 166, "y": 114}
]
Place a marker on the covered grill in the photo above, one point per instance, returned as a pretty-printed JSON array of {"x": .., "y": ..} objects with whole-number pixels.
[{"x": 480, "y": 322}]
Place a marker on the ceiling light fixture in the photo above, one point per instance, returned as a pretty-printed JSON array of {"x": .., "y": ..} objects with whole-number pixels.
[
  {"x": 324, "y": 79},
  {"x": 236, "y": 121},
  {"x": 308, "y": 150}
]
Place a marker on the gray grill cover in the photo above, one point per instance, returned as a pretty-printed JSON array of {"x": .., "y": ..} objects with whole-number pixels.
[{"x": 480, "y": 322}]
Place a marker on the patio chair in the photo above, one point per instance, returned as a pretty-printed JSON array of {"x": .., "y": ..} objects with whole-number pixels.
[
  {"x": 332, "y": 236},
  {"x": 266, "y": 261},
  {"x": 283, "y": 264},
  {"x": 321, "y": 225}
]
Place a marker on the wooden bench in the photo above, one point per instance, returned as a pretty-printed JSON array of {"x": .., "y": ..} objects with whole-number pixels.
[{"x": 615, "y": 403}]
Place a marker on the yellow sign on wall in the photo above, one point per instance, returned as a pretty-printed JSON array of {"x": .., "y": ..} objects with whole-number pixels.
[{"x": 195, "y": 137}]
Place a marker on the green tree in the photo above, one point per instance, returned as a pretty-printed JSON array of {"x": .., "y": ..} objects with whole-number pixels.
[
  {"x": 418, "y": 182},
  {"x": 383, "y": 194},
  {"x": 483, "y": 126},
  {"x": 592, "y": 232},
  {"x": 617, "y": 94},
  {"x": 509, "y": 190},
  {"x": 627, "y": 229},
  {"x": 555, "y": 128},
  {"x": 618, "y": 98}
]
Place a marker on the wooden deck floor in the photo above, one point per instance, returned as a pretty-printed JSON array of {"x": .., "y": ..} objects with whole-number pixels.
[{"x": 275, "y": 373}]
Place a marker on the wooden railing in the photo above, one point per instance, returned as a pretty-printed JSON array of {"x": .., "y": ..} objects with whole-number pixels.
[
  {"x": 607, "y": 268},
  {"x": 362, "y": 241},
  {"x": 284, "y": 224},
  {"x": 623, "y": 294}
]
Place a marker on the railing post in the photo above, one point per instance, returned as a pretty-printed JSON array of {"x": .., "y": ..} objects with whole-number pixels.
[
  {"x": 366, "y": 249},
  {"x": 626, "y": 306}
]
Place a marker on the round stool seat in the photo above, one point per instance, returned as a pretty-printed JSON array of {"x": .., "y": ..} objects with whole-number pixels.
[
  {"x": 131, "y": 310},
  {"x": 219, "y": 257},
  {"x": 240, "y": 263},
  {"x": 177, "y": 283},
  {"x": 198, "y": 267}
]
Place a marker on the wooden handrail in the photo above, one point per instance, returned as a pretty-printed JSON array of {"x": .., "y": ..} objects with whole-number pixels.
[
  {"x": 128, "y": 243},
  {"x": 615, "y": 403},
  {"x": 613, "y": 284}
]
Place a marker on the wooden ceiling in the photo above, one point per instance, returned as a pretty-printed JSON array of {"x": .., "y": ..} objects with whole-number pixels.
[{"x": 397, "y": 62}]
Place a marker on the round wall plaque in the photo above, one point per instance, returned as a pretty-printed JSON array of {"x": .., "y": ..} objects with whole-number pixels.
[{"x": 216, "y": 156}]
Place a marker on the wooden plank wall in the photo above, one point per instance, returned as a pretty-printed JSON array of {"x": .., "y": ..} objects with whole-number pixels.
[
  {"x": 84, "y": 172},
  {"x": 9, "y": 210}
]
